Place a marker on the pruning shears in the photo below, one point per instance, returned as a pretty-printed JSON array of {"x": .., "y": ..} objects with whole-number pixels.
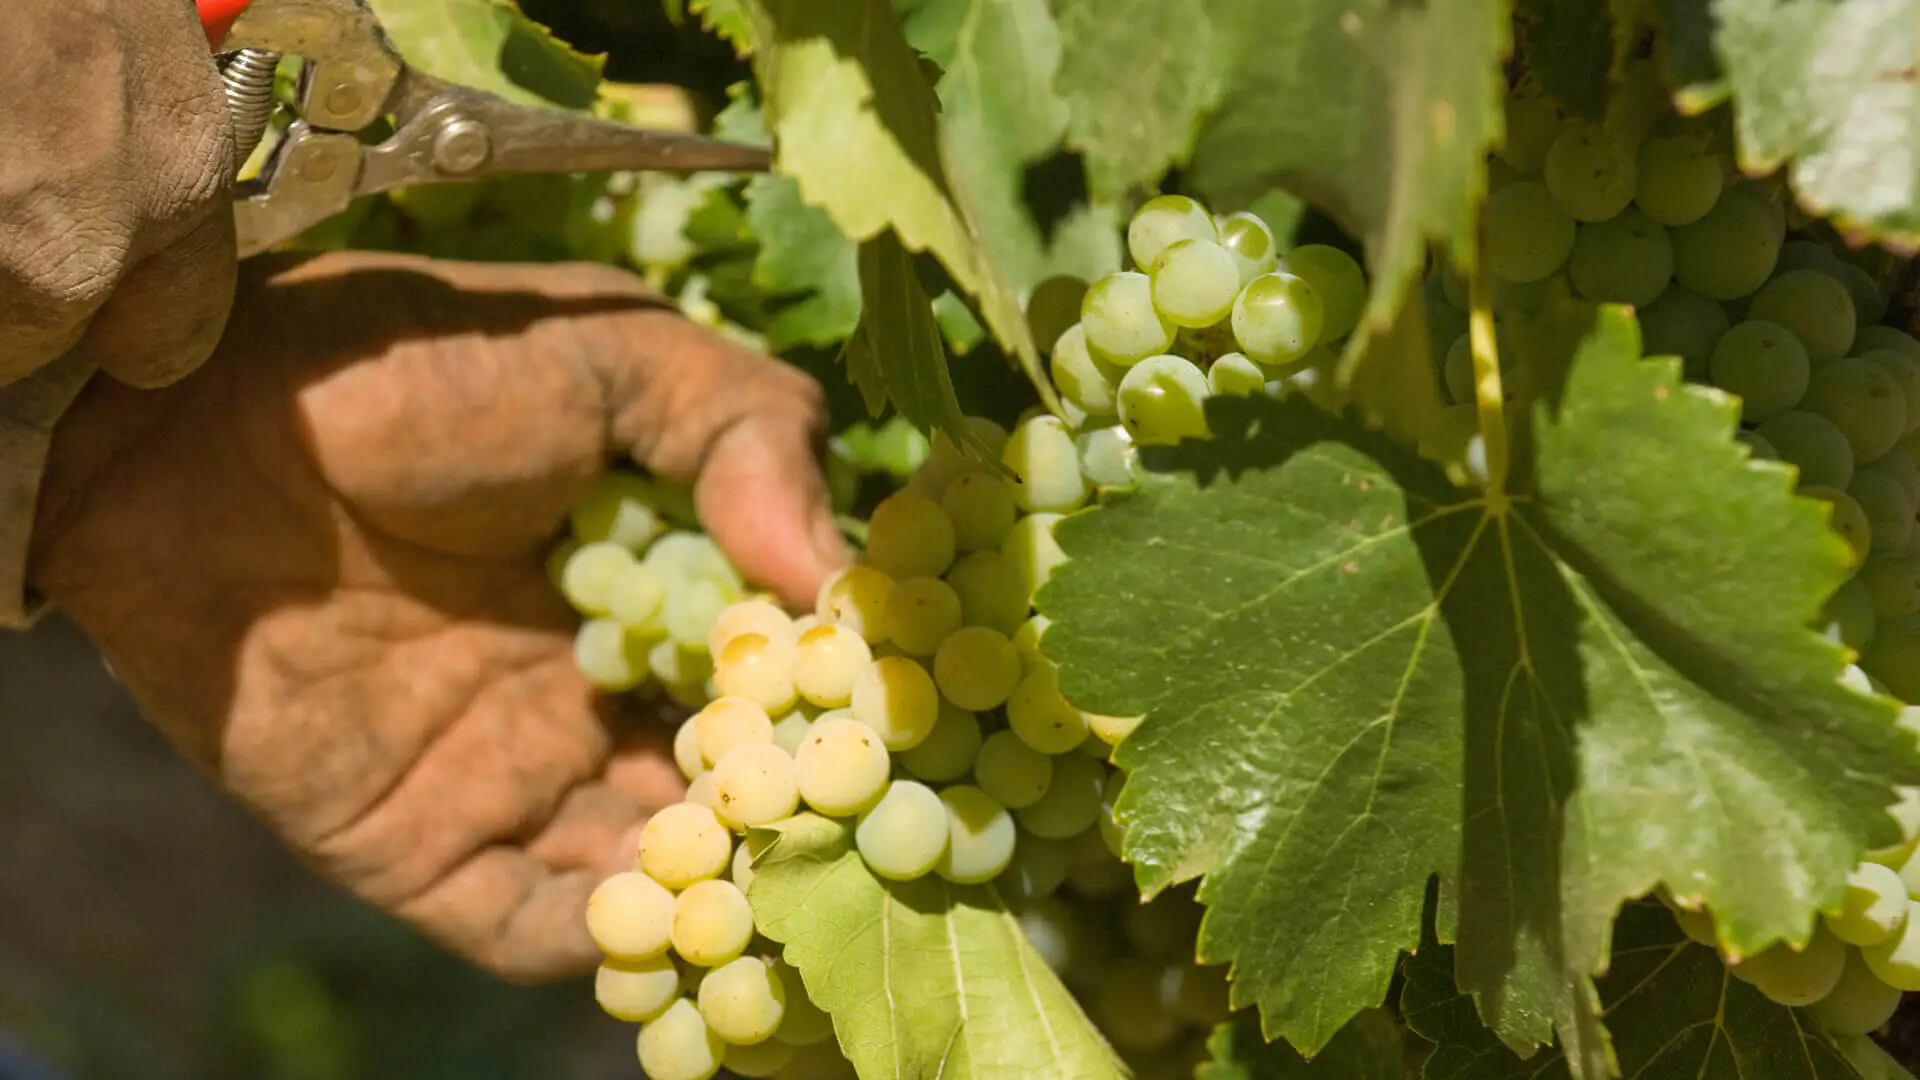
[{"x": 353, "y": 77}]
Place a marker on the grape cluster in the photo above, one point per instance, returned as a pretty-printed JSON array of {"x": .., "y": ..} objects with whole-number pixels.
[
  {"x": 649, "y": 592},
  {"x": 914, "y": 703},
  {"x": 1651, "y": 212}
]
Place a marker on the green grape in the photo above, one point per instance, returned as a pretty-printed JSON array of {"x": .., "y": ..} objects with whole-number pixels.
[
  {"x": 976, "y": 668},
  {"x": 1814, "y": 445},
  {"x": 1808, "y": 255},
  {"x": 1528, "y": 234},
  {"x": 1872, "y": 909},
  {"x": 1892, "y": 581},
  {"x": 1053, "y": 306},
  {"x": 1071, "y": 805},
  {"x": 678, "y": 1045},
  {"x": 758, "y": 1060},
  {"x": 630, "y": 917},
  {"x": 1767, "y": 199},
  {"x": 1869, "y": 296},
  {"x": 1871, "y": 336},
  {"x": 1888, "y": 507},
  {"x": 1902, "y": 469},
  {"x": 1589, "y": 174},
  {"x": 790, "y": 731},
  {"x": 612, "y": 657},
  {"x": 1848, "y": 616},
  {"x": 1846, "y": 518},
  {"x": 1127, "y": 1006},
  {"x": 637, "y": 596},
  {"x": 1161, "y": 400},
  {"x": 683, "y": 844},
  {"x": 1161, "y": 222},
  {"x": 1276, "y": 319},
  {"x": 1014, "y": 773},
  {"x": 743, "y": 1000},
  {"x": 980, "y": 836},
  {"x": 841, "y": 767},
  {"x": 1905, "y": 370},
  {"x": 1163, "y": 928},
  {"x": 690, "y": 609},
  {"x": 691, "y": 555},
  {"x": 712, "y": 922},
  {"x": 996, "y": 587},
  {"x": 1863, "y": 401},
  {"x": 1728, "y": 253},
  {"x": 1046, "y": 466},
  {"x": 1119, "y": 320},
  {"x": 896, "y": 698},
  {"x": 1233, "y": 375},
  {"x": 1683, "y": 323},
  {"x": 1198, "y": 995},
  {"x": 1796, "y": 977},
  {"x": 1108, "y": 456},
  {"x": 921, "y": 612},
  {"x": 1860, "y": 1001},
  {"x": 1533, "y": 122},
  {"x": 1758, "y": 449},
  {"x": 586, "y": 580},
  {"x": 1194, "y": 283},
  {"x": 1896, "y": 961},
  {"x": 1041, "y": 716},
  {"x": 1251, "y": 244},
  {"x": 805, "y": 1024},
  {"x": 618, "y": 509},
  {"x": 946, "y": 459},
  {"x": 1086, "y": 382},
  {"x": 905, "y": 834},
  {"x": 948, "y": 752},
  {"x": 1038, "y": 869},
  {"x": 1814, "y": 306},
  {"x": 637, "y": 990},
  {"x": 856, "y": 597},
  {"x": 1336, "y": 279},
  {"x": 1679, "y": 178},
  {"x": 1626, "y": 259},
  {"x": 1458, "y": 373},
  {"x": 908, "y": 535},
  {"x": 1764, "y": 365}
]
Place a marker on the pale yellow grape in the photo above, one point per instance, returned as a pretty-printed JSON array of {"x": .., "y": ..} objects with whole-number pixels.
[
  {"x": 993, "y": 588},
  {"x": 1026, "y": 640},
  {"x": 588, "y": 576},
  {"x": 1796, "y": 977},
  {"x": 637, "y": 595},
  {"x": 905, "y": 834},
  {"x": 612, "y": 657},
  {"x": 1071, "y": 805},
  {"x": 701, "y": 791},
  {"x": 804, "y": 1023},
  {"x": 757, "y": 668},
  {"x": 842, "y": 766},
  {"x": 896, "y": 698},
  {"x": 1235, "y": 376},
  {"x": 678, "y": 1045},
  {"x": 620, "y": 508},
  {"x": 741, "y": 872},
  {"x": 1040, "y": 716},
  {"x": 982, "y": 507},
  {"x": 922, "y": 611},
  {"x": 749, "y": 616},
  {"x": 629, "y": 916},
  {"x": 755, "y": 785},
  {"x": 1015, "y": 774},
  {"x": 980, "y": 836},
  {"x": 684, "y": 843},
  {"x": 1112, "y": 729},
  {"x": 712, "y": 923},
  {"x": 637, "y": 990},
  {"x": 790, "y": 730},
  {"x": 826, "y": 662},
  {"x": 976, "y": 668},
  {"x": 1046, "y": 465},
  {"x": 686, "y": 748},
  {"x": 908, "y": 535},
  {"x": 727, "y": 723},
  {"x": 948, "y": 752},
  {"x": 1896, "y": 961},
  {"x": 856, "y": 597},
  {"x": 1859, "y": 1003},
  {"x": 743, "y": 1000}
]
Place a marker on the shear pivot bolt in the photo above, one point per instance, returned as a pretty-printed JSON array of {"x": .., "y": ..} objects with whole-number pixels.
[{"x": 461, "y": 146}]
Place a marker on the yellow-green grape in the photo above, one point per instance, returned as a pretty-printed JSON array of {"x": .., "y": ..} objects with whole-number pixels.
[
  {"x": 618, "y": 508},
  {"x": 980, "y": 836},
  {"x": 1014, "y": 773},
  {"x": 757, "y": 668},
  {"x": 856, "y": 597},
  {"x": 1888, "y": 507},
  {"x": 1814, "y": 445},
  {"x": 1863, "y": 401},
  {"x": 804, "y": 1023},
  {"x": 947, "y": 459},
  {"x": 686, "y": 749},
  {"x": 1336, "y": 279},
  {"x": 683, "y": 844},
  {"x": 678, "y": 1045},
  {"x": 996, "y": 587},
  {"x": 1046, "y": 467},
  {"x": 1589, "y": 173},
  {"x": 1685, "y": 324},
  {"x": 1162, "y": 400},
  {"x": 1758, "y": 449},
  {"x": 983, "y": 506},
  {"x": 1111, "y": 729},
  {"x": 680, "y": 668},
  {"x": 685, "y": 555},
  {"x": 740, "y": 871},
  {"x": 1120, "y": 322},
  {"x": 637, "y": 596},
  {"x": 841, "y": 767},
  {"x": 1276, "y": 319},
  {"x": 905, "y": 834},
  {"x": 1127, "y": 1006},
  {"x": 1055, "y": 930},
  {"x": 1111, "y": 831},
  {"x": 1038, "y": 869},
  {"x": 1698, "y": 926},
  {"x": 637, "y": 990},
  {"x": 1083, "y": 379},
  {"x": 1533, "y": 120},
  {"x": 1164, "y": 927},
  {"x": 896, "y": 697},
  {"x": 758, "y": 1060},
  {"x": 1893, "y": 657},
  {"x": 712, "y": 923},
  {"x": 1795, "y": 977},
  {"x": 1458, "y": 373},
  {"x": 1198, "y": 995},
  {"x": 1194, "y": 283},
  {"x": 612, "y": 657},
  {"x": 727, "y": 723},
  {"x": 1108, "y": 456},
  {"x": 1815, "y": 307},
  {"x": 1896, "y": 961},
  {"x": 826, "y": 662},
  {"x": 1904, "y": 370},
  {"x": 1873, "y": 907},
  {"x": 690, "y": 609},
  {"x": 1163, "y": 221},
  {"x": 1859, "y": 1003},
  {"x": 1764, "y": 365},
  {"x": 701, "y": 791},
  {"x": 743, "y": 1000},
  {"x": 1528, "y": 234},
  {"x": 1847, "y": 519},
  {"x": 948, "y": 752},
  {"x": 754, "y": 785},
  {"x": 1233, "y": 375},
  {"x": 910, "y": 536},
  {"x": 629, "y": 916},
  {"x": 1053, "y": 306},
  {"x": 1071, "y": 805},
  {"x": 1870, "y": 337},
  {"x": 922, "y": 611},
  {"x": 1026, "y": 640},
  {"x": 588, "y": 576},
  {"x": 1040, "y": 716},
  {"x": 1729, "y": 252},
  {"x": 1892, "y": 582},
  {"x": 1848, "y": 616},
  {"x": 976, "y": 668},
  {"x": 1680, "y": 178},
  {"x": 1250, "y": 242},
  {"x": 761, "y": 617},
  {"x": 1626, "y": 259}
]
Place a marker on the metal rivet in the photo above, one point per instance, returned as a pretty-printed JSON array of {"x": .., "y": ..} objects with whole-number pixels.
[
  {"x": 461, "y": 146},
  {"x": 343, "y": 99},
  {"x": 317, "y": 164}
]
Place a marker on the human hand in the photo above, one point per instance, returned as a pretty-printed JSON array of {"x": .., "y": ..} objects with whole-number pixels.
[
  {"x": 116, "y": 216},
  {"x": 318, "y": 563}
]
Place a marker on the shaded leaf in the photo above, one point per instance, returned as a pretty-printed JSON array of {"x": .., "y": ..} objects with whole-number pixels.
[
  {"x": 490, "y": 45},
  {"x": 1136, "y": 76},
  {"x": 805, "y": 260},
  {"x": 1371, "y": 1047},
  {"x": 896, "y": 353}
]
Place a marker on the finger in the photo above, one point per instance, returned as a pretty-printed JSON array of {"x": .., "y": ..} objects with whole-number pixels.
[
  {"x": 166, "y": 316},
  {"x": 762, "y": 499},
  {"x": 512, "y": 914}
]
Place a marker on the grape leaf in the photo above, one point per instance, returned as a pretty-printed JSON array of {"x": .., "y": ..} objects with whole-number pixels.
[
  {"x": 896, "y": 352},
  {"x": 806, "y": 260},
  {"x": 1568, "y": 45},
  {"x": 1371, "y": 1047},
  {"x": 490, "y": 45},
  {"x": 1836, "y": 88},
  {"x": 1679, "y": 1015},
  {"x": 1356, "y": 677},
  {"x": 923, "y": 978}
]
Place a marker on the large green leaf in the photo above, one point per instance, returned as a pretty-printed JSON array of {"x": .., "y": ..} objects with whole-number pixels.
[
  {"x": 924, "y": 978},
  {"x": 491, "y": 45},
  {"x": 897, "y": 353},
  {"x": 1371, "y": 1047},
  {"x": 1356, "y": 677},
  {"x": 806, "y": 262},
  {"x": 1675, "y": 1011},
  {"x": 1136, "y": 76}
]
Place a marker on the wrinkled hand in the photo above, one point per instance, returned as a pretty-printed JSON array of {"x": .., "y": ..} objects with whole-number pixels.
[
  {"x": 116, "y": 167},
  {"x": 318, "y": 564}
]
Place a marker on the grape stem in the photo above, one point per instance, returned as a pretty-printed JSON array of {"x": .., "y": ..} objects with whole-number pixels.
[{"x": 1489, "y": 395}]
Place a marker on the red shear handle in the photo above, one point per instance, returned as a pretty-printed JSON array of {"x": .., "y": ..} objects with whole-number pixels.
[{"x": 217, "y": 17}]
